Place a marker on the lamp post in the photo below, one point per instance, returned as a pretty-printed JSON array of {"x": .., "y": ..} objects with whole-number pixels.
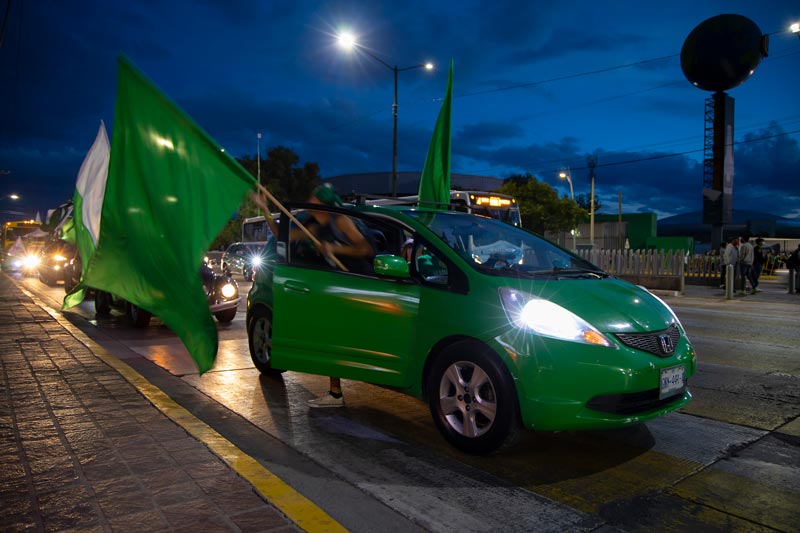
[
  {"x": 348, "y": 42},
  {"x": 566, "y": 175}
]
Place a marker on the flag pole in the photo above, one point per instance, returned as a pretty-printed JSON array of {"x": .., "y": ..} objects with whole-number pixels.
[{"x": 263, "y": 204}]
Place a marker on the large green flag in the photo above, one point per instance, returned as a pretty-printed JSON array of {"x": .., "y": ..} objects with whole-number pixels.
[
  {"x": 169, "y": 192},
  {"x": 434, "y": 185}
]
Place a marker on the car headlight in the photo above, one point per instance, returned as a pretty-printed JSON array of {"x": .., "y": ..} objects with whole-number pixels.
[
  {"x": 548, "y": 319},
  {"x": 31, "y": 261},
  {"x": 228, "y": 291},
  {"x": 256, "y": 261}
]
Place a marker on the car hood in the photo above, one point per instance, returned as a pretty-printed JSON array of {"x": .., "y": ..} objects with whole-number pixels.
[{"x": 610, "y": 304}]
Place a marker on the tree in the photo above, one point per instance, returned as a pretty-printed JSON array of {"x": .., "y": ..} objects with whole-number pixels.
[
  {"x": 282, "y": 176},
  {"x": 540, "y": 207},
  {"x": 584, "y": 201}
]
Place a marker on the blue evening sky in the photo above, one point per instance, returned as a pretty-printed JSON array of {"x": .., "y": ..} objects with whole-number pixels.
[{"x": 537, "y": 86}]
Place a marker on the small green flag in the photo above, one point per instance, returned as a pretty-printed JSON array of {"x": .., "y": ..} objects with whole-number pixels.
[
  {"x": 434, "y": 185},
  {"x": 170, "y": 191}
]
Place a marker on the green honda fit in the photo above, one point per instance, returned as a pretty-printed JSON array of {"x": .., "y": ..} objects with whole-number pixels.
[{"x": 496, "y": 328}]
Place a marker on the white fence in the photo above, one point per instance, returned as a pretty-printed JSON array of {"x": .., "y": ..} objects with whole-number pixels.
[{"x": 655, "y": 269}]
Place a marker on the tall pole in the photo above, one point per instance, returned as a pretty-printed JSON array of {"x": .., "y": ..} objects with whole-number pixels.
[
  {"x": 568, "y": 176},
  {"x": 394, "y": 137},
  {"x": 258, "y": 160},
  {"x": 619, "y": 220},
  {"x": 591, "y": 160}
]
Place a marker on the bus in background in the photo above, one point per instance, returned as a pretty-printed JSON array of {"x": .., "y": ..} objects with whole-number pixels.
[
  {"x": 28, "y": 231},
  {"x": 495, "y": 205},
  {"x": 255, "y": 229}
]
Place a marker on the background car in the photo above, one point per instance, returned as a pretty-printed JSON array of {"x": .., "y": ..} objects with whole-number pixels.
[
  {"x": 55, "y": 264},
  {"x": 222, "y": 294},
  {"x": 213, "y": 259},
  {"x": 244, "y": 258}
]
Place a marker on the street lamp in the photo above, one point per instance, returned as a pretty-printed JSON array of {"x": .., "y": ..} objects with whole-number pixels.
[
  {"x": 348, "y": 42},
  {"x": 795, "y": 28},
  {"x": 566, "y": 176}
]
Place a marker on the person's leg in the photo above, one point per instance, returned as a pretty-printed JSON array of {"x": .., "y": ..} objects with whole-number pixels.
[
  {"x": 336, "y": 387},
  {"x": 332, "y": 398}
]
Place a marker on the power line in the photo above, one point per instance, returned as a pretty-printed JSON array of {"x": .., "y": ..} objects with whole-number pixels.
[{"x": 674, "y": 154}]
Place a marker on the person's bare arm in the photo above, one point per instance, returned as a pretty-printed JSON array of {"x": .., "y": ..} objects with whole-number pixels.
[{"x": 358, "y": 247}]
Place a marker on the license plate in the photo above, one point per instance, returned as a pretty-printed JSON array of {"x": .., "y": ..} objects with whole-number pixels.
[{"x": 672, "y": 381}]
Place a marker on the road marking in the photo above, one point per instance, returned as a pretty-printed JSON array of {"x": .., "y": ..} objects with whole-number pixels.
[{"x": 294, "y": 505}]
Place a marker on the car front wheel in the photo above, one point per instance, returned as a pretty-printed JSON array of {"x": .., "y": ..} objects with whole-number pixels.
[
  {"x": 226, "y": 316},
  {"x": 259, "y": 336},
  {"x": 472, "y": 399}
]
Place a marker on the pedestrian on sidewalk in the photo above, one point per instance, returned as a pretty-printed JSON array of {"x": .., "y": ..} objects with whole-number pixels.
[
  {"x": 758, "y": 260},
  {"x": 793, "y": 264},
  {"x": 746, "y": 257},
  {"x": 730, "y": 256}
]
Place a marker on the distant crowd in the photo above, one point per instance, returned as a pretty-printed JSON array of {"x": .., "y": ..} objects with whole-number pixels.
[{"x": 750, "y": 260}]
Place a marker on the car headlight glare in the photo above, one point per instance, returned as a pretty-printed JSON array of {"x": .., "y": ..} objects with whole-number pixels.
[
  {"x": 59, "y": 257},
  {"x": 256, "y": 261},
  {"x": 31, "y": 261},
  {"x": 548, "y": 319},
  {"x": 228, "y": 291}
]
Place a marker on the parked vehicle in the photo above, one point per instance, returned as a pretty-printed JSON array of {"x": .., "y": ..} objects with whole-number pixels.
[
  {"x": 496, "y": 327},
  {"x": 213, "y": 259},
  {"x": 243, "y": 258},
  {"x": 55, "y": 264},
  {"x": 222, "y": 293}
]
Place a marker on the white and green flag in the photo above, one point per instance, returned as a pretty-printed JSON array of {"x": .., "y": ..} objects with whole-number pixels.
[{"x": 87, "y": 204}]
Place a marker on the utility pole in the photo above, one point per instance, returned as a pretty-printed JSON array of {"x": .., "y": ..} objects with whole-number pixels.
[
  {"x": 591, "y": 160},
  {"x": 258, "y": 164}
]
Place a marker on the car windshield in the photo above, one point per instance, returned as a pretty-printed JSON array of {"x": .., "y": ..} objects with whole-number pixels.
[{"x": 493, "y": 247}]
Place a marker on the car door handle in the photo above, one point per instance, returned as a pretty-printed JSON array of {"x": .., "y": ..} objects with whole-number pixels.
[{"x": 295, "y": 286}]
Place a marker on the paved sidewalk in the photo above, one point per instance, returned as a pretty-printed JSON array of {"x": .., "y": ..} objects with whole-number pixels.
[{"x": 82, "y": 449}]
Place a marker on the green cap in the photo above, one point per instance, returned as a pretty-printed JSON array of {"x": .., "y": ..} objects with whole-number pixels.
[{"x": 325, "y": 194}]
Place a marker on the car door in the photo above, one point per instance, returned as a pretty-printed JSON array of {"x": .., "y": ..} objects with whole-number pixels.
[{"x": 354, "y": 326}]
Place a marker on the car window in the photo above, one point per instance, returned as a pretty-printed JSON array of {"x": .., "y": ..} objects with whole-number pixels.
[
  {"x": 382, "y": 237},
  {"x": 491, "y": 246}
]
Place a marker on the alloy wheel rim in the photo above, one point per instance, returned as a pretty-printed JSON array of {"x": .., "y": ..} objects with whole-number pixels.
[{"x": 467, "y": 399}]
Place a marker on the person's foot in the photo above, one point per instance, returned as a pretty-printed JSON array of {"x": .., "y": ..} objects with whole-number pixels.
[
  {"x": 741, "y": 293},
  {"x": 327, "y": 400}
]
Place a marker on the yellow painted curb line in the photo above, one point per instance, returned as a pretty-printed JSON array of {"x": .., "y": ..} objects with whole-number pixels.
[{"x": 294, "y": 505}]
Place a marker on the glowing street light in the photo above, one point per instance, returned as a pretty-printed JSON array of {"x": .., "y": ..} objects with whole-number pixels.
[
  {"x": 795, "y": 28},
  {"x": 348, "y": 42}
]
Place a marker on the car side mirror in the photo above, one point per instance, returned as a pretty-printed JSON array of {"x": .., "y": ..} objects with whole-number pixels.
[{"x": 391, "y": 265}]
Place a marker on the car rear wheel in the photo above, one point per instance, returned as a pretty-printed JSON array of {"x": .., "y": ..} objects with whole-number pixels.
[
  {"x": 226, "y": 315},
  {"x": 259, "y": 336},
  {"x": 473, "y": 399},
  {"x": 102, "y": 303},
  {"x": 138, "y": 316}
]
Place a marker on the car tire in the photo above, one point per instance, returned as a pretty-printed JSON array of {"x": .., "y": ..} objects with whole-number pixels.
[
  {"x": 47, "y": 279},
  {"x": 139, "y": 317},
  {"x": 102, "y": 303},
  {"x": 259, "y": 337},
  {"x": 248, "y": 274},
  {"x": 225, "y": 316},
  {"x": 472, "y": 398}
]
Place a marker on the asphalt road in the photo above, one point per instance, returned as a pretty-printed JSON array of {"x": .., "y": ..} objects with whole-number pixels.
[{"x": 728, "y": 461}]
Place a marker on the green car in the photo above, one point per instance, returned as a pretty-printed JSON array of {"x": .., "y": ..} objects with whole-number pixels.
[{"x": 495, "y": 327}]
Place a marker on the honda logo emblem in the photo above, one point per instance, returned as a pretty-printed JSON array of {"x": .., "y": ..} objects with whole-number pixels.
[{"x": 666, "y": 344}]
